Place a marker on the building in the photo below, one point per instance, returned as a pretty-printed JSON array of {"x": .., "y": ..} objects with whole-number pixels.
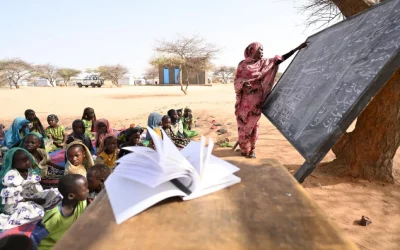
[{"x": 169, "y": 75}]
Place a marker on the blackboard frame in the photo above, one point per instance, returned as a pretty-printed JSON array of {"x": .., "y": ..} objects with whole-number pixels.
[{"x": 377, "y": 83}]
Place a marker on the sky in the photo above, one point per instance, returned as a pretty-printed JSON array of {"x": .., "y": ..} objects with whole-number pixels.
[{"x": 86, "y": 34}]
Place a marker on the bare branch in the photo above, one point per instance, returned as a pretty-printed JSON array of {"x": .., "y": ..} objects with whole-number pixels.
[
  {"x": 225, "y": 72},
  {"x": 112, "y": 72},
  {"x": 48, "y": 72}
]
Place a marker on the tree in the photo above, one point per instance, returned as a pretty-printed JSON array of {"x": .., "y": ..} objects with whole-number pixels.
[
  {"x": 151, "y": 73},
  {"x": 225, "y": 73},
  {"x": 188, "y": 53},
  {"x": 48, "y": 72},
  {"x": 66, "y": 74},
  {"x": 370, "y": 148},
  {"x": 14, "y": 70},
  {"x": 112, "y": 72}
]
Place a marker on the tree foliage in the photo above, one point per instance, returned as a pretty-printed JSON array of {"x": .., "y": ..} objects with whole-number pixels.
[
  {"x": 225, "y": 72},
  {"x": 14, "y": 70},
  {"x": 48, "y": 72},
  {"x": 112, "y": 72},
  {"x": 66, "y": 74},
  {"x": 151, "y": 73},
  {"x": 188, "y": 53}
]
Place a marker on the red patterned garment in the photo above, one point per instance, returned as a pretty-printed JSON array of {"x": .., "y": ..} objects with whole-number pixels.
[{"x": 260, "y": 74}]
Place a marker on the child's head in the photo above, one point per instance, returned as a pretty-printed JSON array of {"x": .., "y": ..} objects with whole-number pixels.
[
  {"x": 21, "y": 160},
  {"x": 31, "y": 143},
  {"x": 30, "y": 115},
  {"x": 96, "y": 177},
  {"x": 187, "y": 112},
  {"x": 73, "y": 187},
  {"x": 110, "y": 144},
  {"x": 133, "y": 135},
  {"x": 179, "y": 113},
  {"x": 173, "y": 115},
  {"x": 88, "y": 114},
  {"x": 166, "y": 122},
  {"x": 101, "y": 128},
  {"x": 78, "y": 127},
  {"x": 76, "y": 154},
  {"x": 52, "y": 120}
]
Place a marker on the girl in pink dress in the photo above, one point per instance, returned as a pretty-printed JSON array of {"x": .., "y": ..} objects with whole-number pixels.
[{"x": 253, "y": 83}]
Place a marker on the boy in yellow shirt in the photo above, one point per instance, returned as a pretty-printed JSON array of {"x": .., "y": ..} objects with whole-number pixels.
[{"x": 74, "y": 189}]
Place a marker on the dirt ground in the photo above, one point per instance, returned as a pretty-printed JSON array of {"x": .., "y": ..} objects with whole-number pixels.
[{"x": 344, "y": 200}]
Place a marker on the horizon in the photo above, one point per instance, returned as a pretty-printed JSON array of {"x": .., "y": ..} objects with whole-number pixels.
[{"x": 88, "y": 34}]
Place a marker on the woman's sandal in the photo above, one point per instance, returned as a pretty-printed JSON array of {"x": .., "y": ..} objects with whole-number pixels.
[
  {"x": 243, "y": 154},
  {"x": 251, "y": 155}
]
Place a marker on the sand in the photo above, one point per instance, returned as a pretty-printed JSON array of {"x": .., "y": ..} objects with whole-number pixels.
[{"x": 344, "y": 200}]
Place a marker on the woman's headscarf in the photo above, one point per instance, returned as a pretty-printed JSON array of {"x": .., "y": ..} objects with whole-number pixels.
[
  {"x": 7, "y": 165},
  {"x": 12, "y": 136},
  {"x": 255, "y": 70},
  {"x": 153, "y": 122},
  {"x": 21, "y": 145},
  {"x": 100, "y": 138},
  {"x": 52, "y": 117},
  {"x": 102, "y": 146},
  {"x": 87, "y": 162},
  {"x": 36, "y": 119},
  {"x": 251, "y": 51}
]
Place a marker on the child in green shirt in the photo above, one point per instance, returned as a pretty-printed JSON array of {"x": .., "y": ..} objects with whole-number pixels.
[{"x": 74, "y": 188}]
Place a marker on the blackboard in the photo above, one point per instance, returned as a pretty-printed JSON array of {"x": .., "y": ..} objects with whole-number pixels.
[{"x": 330, "y": 82}]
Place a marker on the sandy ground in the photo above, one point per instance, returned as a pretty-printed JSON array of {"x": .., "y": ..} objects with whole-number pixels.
[{"x": 344, "y": 200}]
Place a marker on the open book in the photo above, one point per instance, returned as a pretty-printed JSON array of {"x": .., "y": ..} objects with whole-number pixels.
[{"x": 146, "y": 177}]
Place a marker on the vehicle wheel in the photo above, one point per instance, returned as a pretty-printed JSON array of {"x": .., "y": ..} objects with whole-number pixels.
[
  {"x": 86, "y": 86},
  {"x": 99, "y": 85},
  {"x": 79, "y": 85},
  {"x": 93, "y": 85}
]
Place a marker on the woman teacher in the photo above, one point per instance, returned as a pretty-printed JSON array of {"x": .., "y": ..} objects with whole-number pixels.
[{"x": 253, "y": 83}]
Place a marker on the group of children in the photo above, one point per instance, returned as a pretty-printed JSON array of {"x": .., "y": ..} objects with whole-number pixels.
[{"x": 34, "y": 188}]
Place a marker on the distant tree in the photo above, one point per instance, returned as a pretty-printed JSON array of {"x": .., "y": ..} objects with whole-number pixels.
[
  {"x": 48, "y": 72},
  {"x": 112, "y": 72},
  {"x": 225, "y": 72},
  {"x": 14, "y": 70},
  {"x": 151, "y": 73},
  {"x": 188, "y": 53},
  {"x": 66, "y": 74}
]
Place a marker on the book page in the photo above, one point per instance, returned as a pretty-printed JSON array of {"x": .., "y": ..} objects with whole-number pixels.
[{"x": 129, "y": 198}]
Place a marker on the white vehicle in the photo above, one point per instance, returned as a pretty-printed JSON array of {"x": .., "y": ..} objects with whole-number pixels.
[{"x": 91, "y": 80}]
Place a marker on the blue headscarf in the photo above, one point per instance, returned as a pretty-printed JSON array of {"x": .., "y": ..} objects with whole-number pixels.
[
  {"x": 153, "y": 122},
  {"x": 8, "y": 163},
  {"x": 12, "y": 136}
]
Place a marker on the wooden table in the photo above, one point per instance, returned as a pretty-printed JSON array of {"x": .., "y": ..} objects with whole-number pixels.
[{"x": 267, "y": 210}]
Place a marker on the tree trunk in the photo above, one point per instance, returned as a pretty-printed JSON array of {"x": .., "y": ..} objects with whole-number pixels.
[
  {"x": 16, "y": 84},
  {"x": 369, "y": 149},
  {"x": 352, "y": 7},
  {"x": 180, "y": 80}
]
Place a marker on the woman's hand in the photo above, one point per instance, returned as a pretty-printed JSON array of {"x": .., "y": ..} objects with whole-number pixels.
[
  {"x": 302, "y": 46},
  {"x": 247, "y": 85}
]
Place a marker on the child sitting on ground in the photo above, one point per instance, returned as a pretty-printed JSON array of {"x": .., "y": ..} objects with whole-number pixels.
[
  {"x": 78, "y": 134},
  {"x": 176, "y": 123},
  {"x": 34, "y": 144},
  {"x": 74, "y": 189},
  {"x": 166, "y": 126},
  {"x": 102, "y": 128},
  {"x": 79, "y": 159},
  {"x": 23, "y": 199},
  {"x": 187, "y": 121},
  {"x": 89, "y": 120},
  {"x": 96, "y": 177},
  {"x": 18, "y": 130},
  {"x": 56, "y": 133},
  {"x": 37, "y": 127},
  {"x": 108, "y": 151},
  {"x": 133, "y": 136}
]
